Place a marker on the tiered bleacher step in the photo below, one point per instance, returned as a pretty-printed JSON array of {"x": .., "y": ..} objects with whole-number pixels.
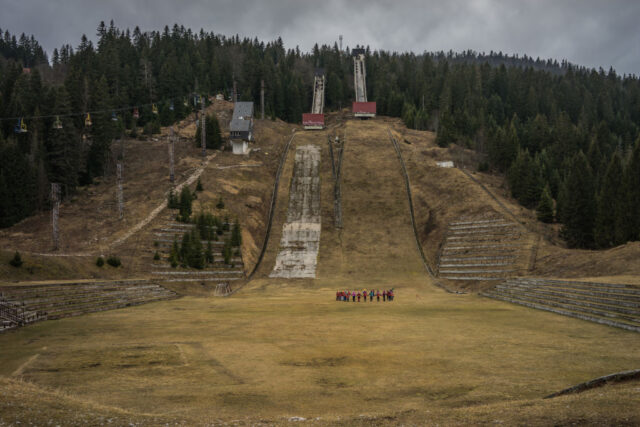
[
  {"x": 13, "y": 314},
  {"x": 483, "y": 249},
  {"x": 72, "y": 299},
  {"x": 218, "y": 273},
  {"x": 609, "y": 304}
]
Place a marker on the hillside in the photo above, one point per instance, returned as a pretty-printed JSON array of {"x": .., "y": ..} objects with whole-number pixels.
[
  {"x": 89, "y": 224},
  {"x": 282, "y": 348}
]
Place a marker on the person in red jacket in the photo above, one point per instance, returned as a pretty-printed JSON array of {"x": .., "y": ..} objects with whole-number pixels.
[
  {"x": 359, "y": 295},
  {"x": 378, "y": 295}
]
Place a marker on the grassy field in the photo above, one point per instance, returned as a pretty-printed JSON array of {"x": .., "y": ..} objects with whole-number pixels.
[{"x": 275, "y": 351}]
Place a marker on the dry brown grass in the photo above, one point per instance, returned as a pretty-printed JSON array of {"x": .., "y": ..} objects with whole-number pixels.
[
  {"x": 277, "y": 350},
  {"x": 284, "y": 348}
]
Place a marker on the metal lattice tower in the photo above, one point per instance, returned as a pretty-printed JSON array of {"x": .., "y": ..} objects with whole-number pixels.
[
  {"x": 171, "y": 154},
  {"x": 262, "y": 98},
  {"x": 203, "y": 132},
  {"x": 120, "y": 194},
  {"x": 55, "y": 213}
]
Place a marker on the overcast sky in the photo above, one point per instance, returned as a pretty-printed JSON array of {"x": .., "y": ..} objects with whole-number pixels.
[{"x": 594, "y": 33}]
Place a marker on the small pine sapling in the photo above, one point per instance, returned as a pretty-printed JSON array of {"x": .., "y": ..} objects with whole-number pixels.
[{"x": 16, "y": 261}]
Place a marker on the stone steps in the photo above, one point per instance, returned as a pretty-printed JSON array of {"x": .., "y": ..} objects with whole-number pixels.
[
  {"x": 620, "y": 288},
  {"x": 169, "y": 243},
  {"x": 476, "y": 232},
  {"x": 447, "y": 271},
  {"x": 496, "y": 225},
  {"x": 57, "y": 309},
  {"x": 71, "y": 299},
  {"x": 53, "y": 292},
  {"x": 577, "y": 314},
  {"x": 31, "y": 300},
  {"x": 499, "y": 245},
  {"x": 610, "y": 293},
  {"x": 489, "y": 264},
  {"x": 477, "y": 258},
  {"x": 483, "y": 238},
  {"x": 486, "y": 221},
  {"x": 81, "y": 309},
  {"x": 199, "y": 273},
  {"x": 610, "y": 304},
  {"x": 567, "y": 302}
]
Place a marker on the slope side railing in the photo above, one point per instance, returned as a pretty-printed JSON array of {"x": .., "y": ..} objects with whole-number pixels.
[
  {"x": 272, "y": 208},
  {"x": 407, "y": 183}
]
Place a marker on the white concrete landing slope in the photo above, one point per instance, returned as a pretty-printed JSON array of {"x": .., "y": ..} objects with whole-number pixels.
[{"x": 301, "y": 233}]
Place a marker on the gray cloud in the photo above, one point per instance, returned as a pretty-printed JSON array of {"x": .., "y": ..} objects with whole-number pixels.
[{"x": 593, "y": 33}]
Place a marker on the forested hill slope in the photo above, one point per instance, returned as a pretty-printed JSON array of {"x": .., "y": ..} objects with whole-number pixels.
[{"x": 550, "y": 129}]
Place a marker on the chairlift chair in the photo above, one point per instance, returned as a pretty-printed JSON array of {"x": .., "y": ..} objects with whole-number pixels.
[
  {"x": 154, "y": 109},
  {"x": 136, "y": 113},
  {"x": 87, "y": 120},
  {"x": 171, "y": 106},
  {"x": 114, "y": 118},
  {"x": 21, "y": 126},
  {"x": 57, "y": 124}
]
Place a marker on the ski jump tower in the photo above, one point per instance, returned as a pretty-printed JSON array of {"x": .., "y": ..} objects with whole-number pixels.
[
  {"x": 361, "y": 108},
  {"x": 315, "y": 119}
]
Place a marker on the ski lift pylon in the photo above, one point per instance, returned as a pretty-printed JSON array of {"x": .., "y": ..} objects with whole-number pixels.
[{"x": 87, "y": 120}]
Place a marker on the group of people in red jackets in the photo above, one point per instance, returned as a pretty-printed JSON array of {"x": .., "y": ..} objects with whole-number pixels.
[{"x": 353, "y": 296}]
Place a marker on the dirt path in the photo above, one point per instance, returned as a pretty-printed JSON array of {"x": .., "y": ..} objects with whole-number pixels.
[{"x": 154, "y": 213}]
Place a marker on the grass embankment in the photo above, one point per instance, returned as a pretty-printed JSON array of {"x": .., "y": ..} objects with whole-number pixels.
[{"x": 276, "y": 351}]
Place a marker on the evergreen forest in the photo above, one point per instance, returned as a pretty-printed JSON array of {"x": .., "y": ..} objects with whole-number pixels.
[{"x": 566, "y": 137}]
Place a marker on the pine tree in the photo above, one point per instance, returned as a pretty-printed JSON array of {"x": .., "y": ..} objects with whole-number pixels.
[
  {"x": 209, "y": 253},
  {"x": 186, "y": 199},
  {"x": 236, "y": 235},
  {"x": 195, "y": 257},
  {"x": 213, "y": 137},
  {"x": 609, "y": 200},
  {"x": 174, "y": 256},
  {"x": 101, "y": 133},
  {"x": 628, "y": 221},
  {"x": 544, "y": 211},
  {"x": 579, "y": 207}
]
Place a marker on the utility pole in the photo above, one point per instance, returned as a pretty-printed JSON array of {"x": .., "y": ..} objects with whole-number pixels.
[
  {"x": 235, "y": 91},
  {"x": 119, "y": 190},
  {"x": 171, "y": 151},
  {"x": 262, "y": 97},
  {"x": 340, "y": 37},
  {"x": 55, "y": 213},
  {"x": 203, "y": 135}
]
